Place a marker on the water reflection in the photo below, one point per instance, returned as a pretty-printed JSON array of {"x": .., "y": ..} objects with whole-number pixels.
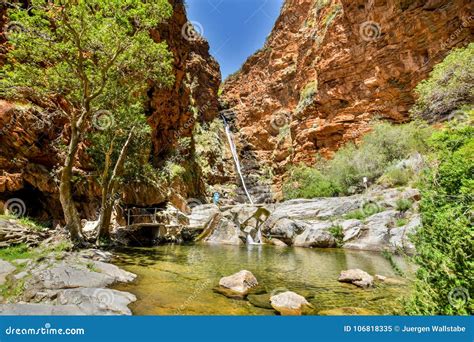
[{"x": 169, "y": 276}]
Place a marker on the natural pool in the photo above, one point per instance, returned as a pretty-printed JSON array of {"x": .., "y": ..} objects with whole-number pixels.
[{"x": 179, "y": 279}]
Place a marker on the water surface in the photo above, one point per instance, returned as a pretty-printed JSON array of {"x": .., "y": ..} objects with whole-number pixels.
[{"x": 179, "y": 279}]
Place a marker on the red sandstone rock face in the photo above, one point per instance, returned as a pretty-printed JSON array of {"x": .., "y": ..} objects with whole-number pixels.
[
  {"x": 29, "y": 155},
  {"x": 330, "y": 67}
]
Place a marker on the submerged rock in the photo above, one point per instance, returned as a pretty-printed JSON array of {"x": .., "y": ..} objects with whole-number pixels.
[
  {"x": 289, "y": 303},
  {"x": 240, "y": 283},
  {"x": 389, "y": 281},
  {"x": 356, "y": 277},
  {"x": 260, "y": 301},
  {"x": 347, "y": 311}
]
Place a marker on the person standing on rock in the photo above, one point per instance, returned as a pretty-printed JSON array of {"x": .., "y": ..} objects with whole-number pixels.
[{"x": 216, "y": 197}]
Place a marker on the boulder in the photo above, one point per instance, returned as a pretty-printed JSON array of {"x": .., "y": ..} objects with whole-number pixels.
[
  {"x": 241, "y": 282},
  {"x": 117, "y": 273},
  {"x": 5, "y": 269},
  {"x": 289, "y": 303},
  {"x": 277, "y": 242},
  {"x": 65, "y": 276},
  {"x": 97, "y": 301},
  {"x": 226, "y": 232},
  {"x": 317, "y": 235},
  {"x": 356, "y": 277},
  {"x": 260, "y": 301},
  {"x": 284, "y": 229},
  {"x": 40, "y": 310}
]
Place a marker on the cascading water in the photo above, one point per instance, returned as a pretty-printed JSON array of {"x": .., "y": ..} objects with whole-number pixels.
[{"x": 236, "y": 157}]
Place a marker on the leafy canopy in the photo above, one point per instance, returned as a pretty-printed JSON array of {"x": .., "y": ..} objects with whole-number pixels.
[{"x": 93, "y": 54}]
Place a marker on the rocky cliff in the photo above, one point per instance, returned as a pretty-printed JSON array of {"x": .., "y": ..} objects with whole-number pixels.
[
  {"x": 329, "y": 67},
  {"x": 29, "y": 153}
]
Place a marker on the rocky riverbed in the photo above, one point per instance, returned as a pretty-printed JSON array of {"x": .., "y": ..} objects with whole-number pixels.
[
  {"x": 373, "y": 221},
  {"x": 65, "y": 283}
]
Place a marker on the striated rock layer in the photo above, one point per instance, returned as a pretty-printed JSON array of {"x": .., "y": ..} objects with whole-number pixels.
[
  {"x": 329, "y": 67},
  {"x": 29, "y": 156}
]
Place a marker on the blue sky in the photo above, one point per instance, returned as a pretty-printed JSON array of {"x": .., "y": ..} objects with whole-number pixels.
[{"x": 235, "y": 29}]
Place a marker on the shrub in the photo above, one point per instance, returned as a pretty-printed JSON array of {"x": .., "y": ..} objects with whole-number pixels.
[
  {"x": 338, "y": 234},
  {"x": 379, "y": 150},
  {"x": 307, "y": 96},
  {"x": 403, "y": 205},
  {"x": 377, "y": 154},
  {"x": 396, "y": 176},
  {"x": 448, "y": 88},
  {"x": 307, "y": 182},
  {"x": 444, "y": 243}
]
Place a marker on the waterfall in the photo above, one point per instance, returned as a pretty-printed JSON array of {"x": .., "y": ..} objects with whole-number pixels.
[{"x": 236, "y": 158}]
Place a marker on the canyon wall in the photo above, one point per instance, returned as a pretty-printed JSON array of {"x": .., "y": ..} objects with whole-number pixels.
[
  {"x": 329, "y": 68},
  {"x": 30, "y": 156}
]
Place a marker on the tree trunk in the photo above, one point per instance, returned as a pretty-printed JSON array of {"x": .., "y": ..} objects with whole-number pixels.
[
  {"x": 71, "y": 215},
  {"x": 109, "y": 191}
]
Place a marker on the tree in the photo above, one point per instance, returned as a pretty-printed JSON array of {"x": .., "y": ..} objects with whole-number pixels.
[{"x": 90, "y": 56}]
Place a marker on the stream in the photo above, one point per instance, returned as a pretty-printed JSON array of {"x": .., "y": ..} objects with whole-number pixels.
[{"x": 179, "y": 279}]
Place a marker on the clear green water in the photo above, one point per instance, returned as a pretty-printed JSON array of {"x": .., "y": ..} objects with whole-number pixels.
[{"x": 179, "y": 279}]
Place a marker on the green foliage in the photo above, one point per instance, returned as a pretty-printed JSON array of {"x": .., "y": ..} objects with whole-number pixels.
[
  {"x": 20, "y": 251},
  {"x": 445, "y": 241},
  {"x": 338, "y": 234},
  {"x": 396, "y": 176},
  {"x": 26, "y": 221},
  {"x": 307, "y": 96},
  {"x": 335, "y": 10},
  {"x": 448, "y": 88},
  {"x": 403, "y": 205},
  {"x": 307, "y": 182},
  {"x": 401, "y": 222},
  {"x": 388, "y": 255},
  {"x": 208, "y": 144},
  {"x": 379, "y": 150},
  {"x": 366, "y": 211},
  {"x": 96, "y": 50},
  {"x": 378, "y": 153}
]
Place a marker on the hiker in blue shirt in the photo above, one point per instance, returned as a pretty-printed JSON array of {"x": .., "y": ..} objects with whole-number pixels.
[{"x": 215, "y": 198}]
